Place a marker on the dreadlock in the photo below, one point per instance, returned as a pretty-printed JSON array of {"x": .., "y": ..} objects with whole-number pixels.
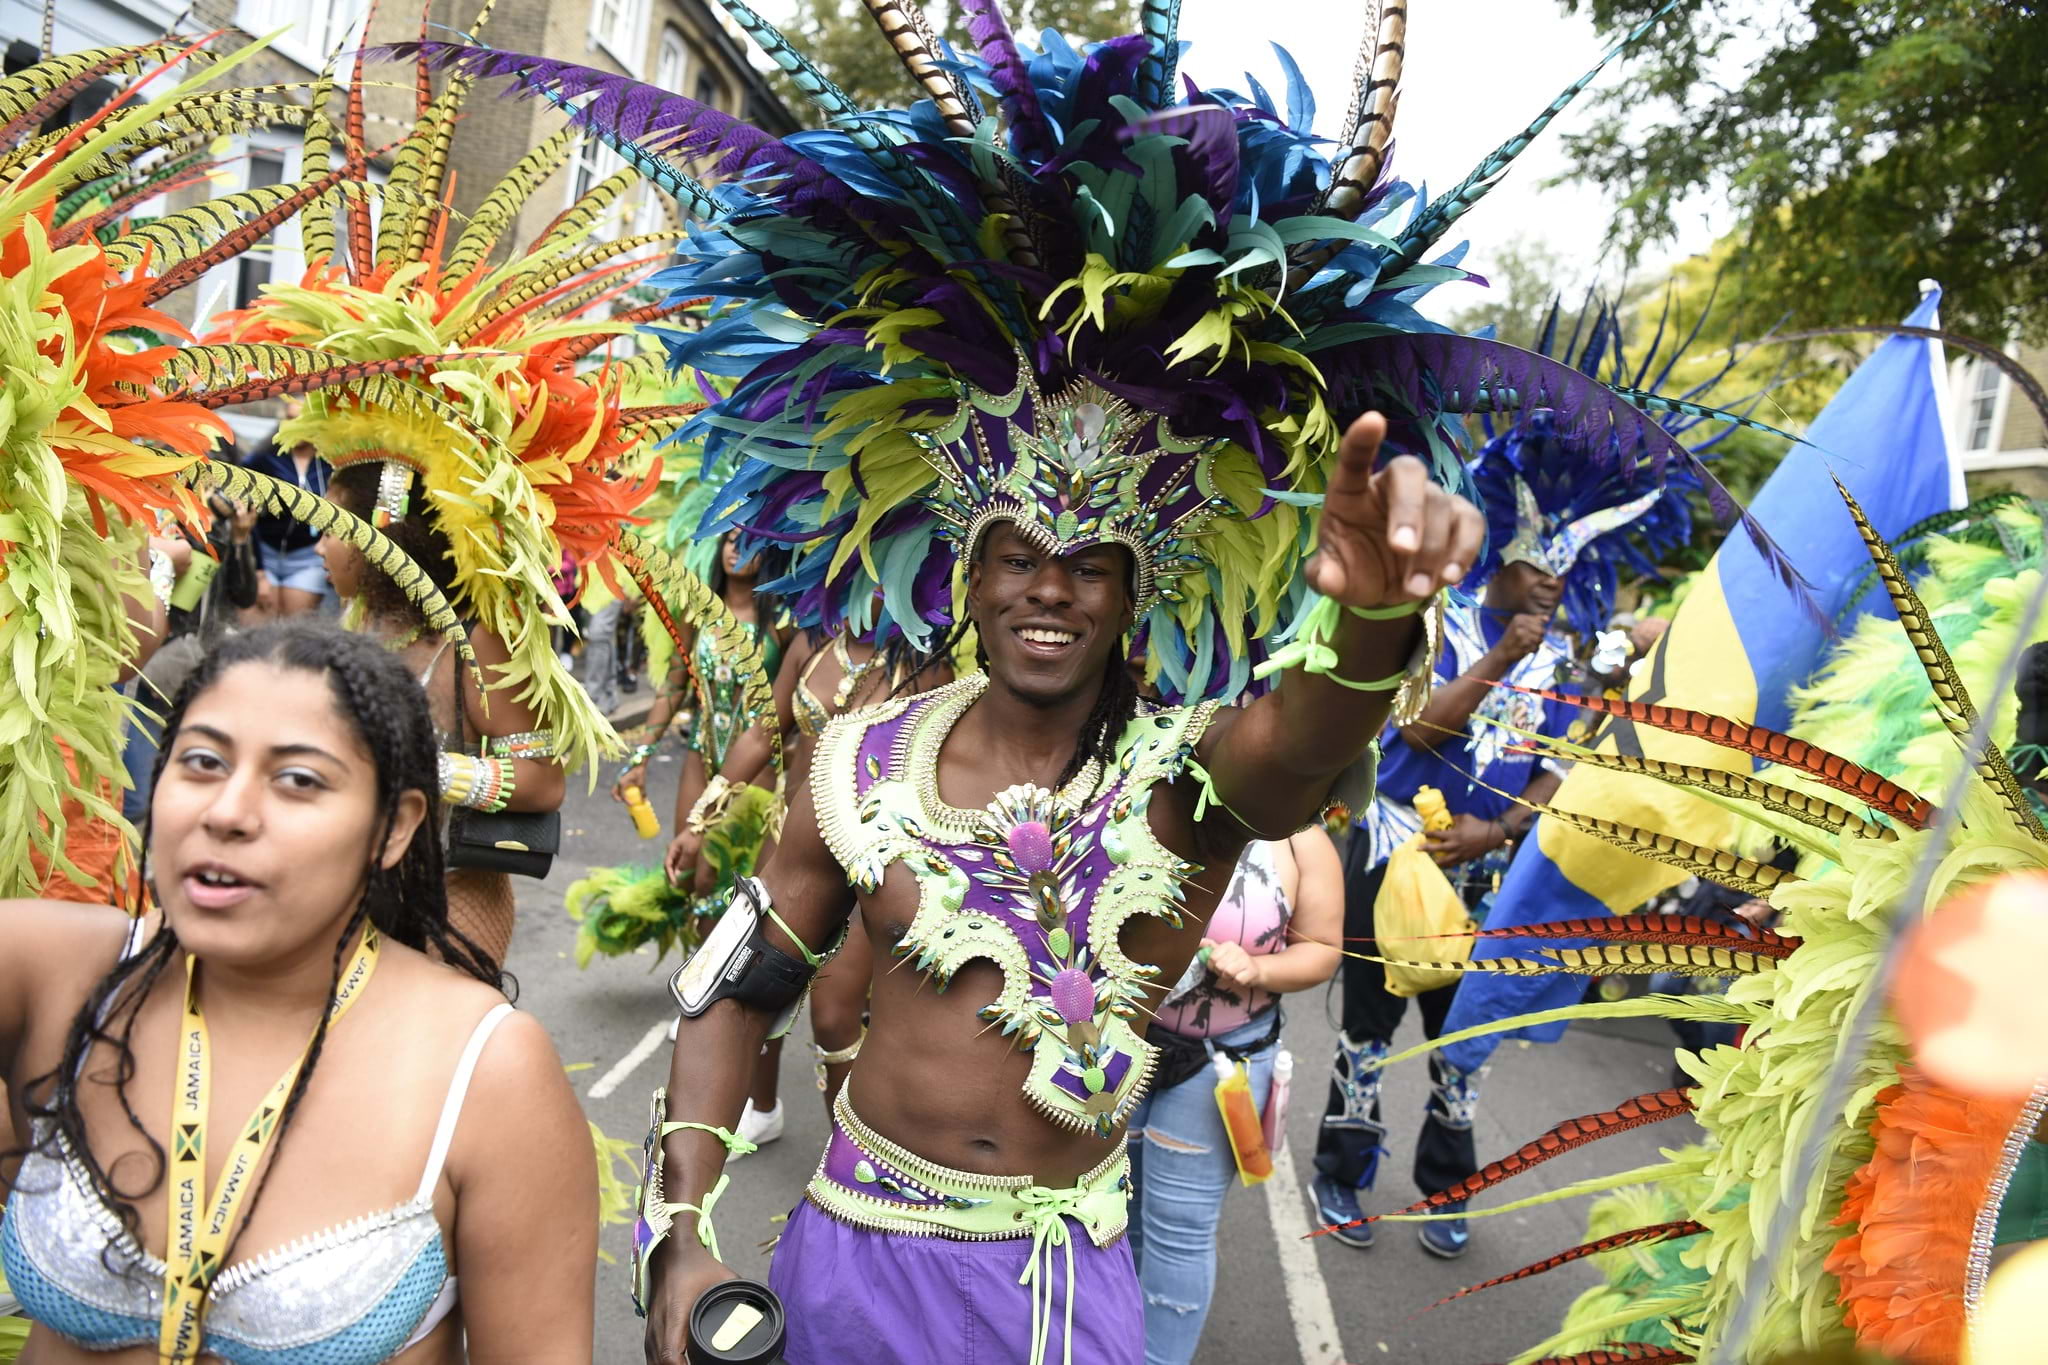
[
  {"x": 408, "y": 902},
  {"x": 1116, "y": 705}
]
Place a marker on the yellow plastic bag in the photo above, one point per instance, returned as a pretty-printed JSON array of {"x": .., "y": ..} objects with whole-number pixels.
[{"x": 1419, "y": 917}]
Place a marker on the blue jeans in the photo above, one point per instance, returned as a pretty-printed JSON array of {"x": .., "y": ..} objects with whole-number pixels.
[{"x": 1181, "y": 1167}]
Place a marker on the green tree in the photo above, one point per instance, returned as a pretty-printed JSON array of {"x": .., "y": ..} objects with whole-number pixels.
[
  {"x": 840, "y": 37},
  {"x": 1869, "y": 144}
]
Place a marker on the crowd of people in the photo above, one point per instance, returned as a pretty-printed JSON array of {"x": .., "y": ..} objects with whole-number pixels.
[{"x": 1086, "y": 624}]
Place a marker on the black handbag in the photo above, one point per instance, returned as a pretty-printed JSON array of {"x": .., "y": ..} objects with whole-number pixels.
[{"x": 523, "y": 843}]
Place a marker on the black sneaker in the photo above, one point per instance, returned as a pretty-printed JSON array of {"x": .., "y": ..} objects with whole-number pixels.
[
  {"x": 1338, "y": 1204},
  {"x": 1449, "y": 1239}
]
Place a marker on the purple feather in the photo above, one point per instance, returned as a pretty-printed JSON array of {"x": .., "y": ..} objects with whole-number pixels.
[
  {"x": 1030, "y": 135},
  {"x": 652, "y": 118},
  {"x": 1424, "y": 372},
  {"x": 1210, "y": 132}
]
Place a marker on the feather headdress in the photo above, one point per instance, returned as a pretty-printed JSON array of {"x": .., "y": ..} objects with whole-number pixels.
[
  {"x": 1586, "y": 521},
  {"x": 1054, "y": 286},
  {"x": 103, "y": 438},
  {"x": 521, "y": 453}
]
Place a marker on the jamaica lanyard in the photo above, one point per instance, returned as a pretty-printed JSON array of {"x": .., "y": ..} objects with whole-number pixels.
[{"x": 195, "y": 1245}]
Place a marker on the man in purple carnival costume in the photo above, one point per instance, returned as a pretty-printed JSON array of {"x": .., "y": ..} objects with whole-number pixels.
[{"x": 1082, "y": 367}]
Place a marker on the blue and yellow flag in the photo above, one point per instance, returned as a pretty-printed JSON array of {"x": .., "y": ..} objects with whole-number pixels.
[{"x": 1737, "y": 646}]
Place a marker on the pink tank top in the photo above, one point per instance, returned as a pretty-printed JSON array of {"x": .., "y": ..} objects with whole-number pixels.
[{"x": 1253, "y": 912}]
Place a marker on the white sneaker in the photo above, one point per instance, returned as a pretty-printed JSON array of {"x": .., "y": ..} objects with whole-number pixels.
[{"x": 759, "y": 1128}]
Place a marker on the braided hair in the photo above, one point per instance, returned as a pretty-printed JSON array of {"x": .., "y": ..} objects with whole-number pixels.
[
  {"x": 418, "y": 533},
  {"x": 408, "y": 903}
]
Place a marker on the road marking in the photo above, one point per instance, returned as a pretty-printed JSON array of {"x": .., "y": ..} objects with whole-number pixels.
[
  {"x": 642, "y": 1050},
  {"x": 1308, "y": 1296}
]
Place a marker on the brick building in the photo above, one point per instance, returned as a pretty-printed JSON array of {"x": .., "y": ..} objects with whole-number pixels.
[
  {"x": 677, "y": 44},
  {"x": 1998, "y": 432}
]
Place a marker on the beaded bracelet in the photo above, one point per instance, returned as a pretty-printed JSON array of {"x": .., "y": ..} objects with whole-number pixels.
[
  {"x": 480, "y": 784},
  {"x": 538, "y": 745}
]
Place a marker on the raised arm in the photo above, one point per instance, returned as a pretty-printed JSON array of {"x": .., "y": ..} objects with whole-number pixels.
[
  {"x": 709, "y": 1076},
  {"x": 1388, "y": 541}
]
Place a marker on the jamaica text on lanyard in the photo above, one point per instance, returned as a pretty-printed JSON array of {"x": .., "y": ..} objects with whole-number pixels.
[{"x": 195, "y": 1246}]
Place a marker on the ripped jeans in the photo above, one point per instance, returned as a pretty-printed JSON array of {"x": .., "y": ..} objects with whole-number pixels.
[{"x": 1181, "y": 1166}]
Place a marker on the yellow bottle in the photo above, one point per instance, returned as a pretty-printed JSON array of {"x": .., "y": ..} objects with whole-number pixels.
[
  {"x": 644, "y": 818},
  {"x": 1429, "y": 804}
]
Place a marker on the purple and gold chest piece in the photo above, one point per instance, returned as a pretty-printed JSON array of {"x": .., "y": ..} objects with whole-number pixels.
[{"x": 1040, "y": 883}]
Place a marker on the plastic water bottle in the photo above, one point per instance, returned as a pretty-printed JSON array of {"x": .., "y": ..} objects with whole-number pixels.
[{"x": 644, "y": 818}]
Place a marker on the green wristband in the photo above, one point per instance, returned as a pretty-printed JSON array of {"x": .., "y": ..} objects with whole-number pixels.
[{"x": 1390, "y": 613}]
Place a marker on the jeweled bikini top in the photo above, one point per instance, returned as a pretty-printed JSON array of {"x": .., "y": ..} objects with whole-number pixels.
[{"x": 1040, "y": 883}]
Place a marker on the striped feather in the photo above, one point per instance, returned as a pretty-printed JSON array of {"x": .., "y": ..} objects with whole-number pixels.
[
  {"x": 529, "y": 288},
  {"x": 583, "y": 346},
  {"x": 239, "y": 239},
  {"x": 1952, "y": 699},
  {"x": 1804, "y": 807},
  {"x": 1828, "y": 769},
  {"x": 30, "y": 96},
  {"x": 187, "y": 233},
  {"x": 585, "y": 213},
  {"x": 917, "y": 47},
  {"x": 1690, "y": 930},
  {"x": 1623, "y": 1353},
  {"x": 221, "y": 364},
  {"x": 1709, "y": 864},
  {"x": 1370, "y": 125},
  {"x": 1624, "y": 959},
  {"x": 310, "y": 509},
  {"x": 667, "y": 585},
  {"x": 347, "y": 375},
  {"x": 316, "y": 225},
  {"x": 502, "y": 205},
  {"x": 1159, "y": 21},
  {"x": 1656, "y": 1232},
  {"x": 1569, "y": 1136},
  {"x": 178, "y": 174}
]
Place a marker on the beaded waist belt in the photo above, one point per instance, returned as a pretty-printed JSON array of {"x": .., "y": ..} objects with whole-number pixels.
[{"x": 870, "y": 1182}]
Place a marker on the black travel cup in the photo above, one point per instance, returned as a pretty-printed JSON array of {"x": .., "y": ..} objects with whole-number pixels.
[{"x": 737, "y": 1322}]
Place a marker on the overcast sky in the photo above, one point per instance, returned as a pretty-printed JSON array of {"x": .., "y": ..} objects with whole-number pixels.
[{"x": 1477, "y": 71}]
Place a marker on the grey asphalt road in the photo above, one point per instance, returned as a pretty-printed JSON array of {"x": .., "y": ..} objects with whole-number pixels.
[{"x": 600, "y": 1016}]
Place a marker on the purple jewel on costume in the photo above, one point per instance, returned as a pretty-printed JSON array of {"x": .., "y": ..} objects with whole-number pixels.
[
  {"x": 1073, "y": 995},
  {"x": 1031, "y": 845}
]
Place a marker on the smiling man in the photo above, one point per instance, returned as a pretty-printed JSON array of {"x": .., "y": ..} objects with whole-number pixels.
[{"x": 1041, "y": 851}]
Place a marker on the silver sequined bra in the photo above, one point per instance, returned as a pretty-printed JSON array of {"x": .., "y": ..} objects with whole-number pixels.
[{"x": 350, "y": 1295}]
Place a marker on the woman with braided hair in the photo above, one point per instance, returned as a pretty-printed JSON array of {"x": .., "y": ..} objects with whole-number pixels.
[
  {"x": 480, "y": 900},
  {"x": 301, "y": 970}
]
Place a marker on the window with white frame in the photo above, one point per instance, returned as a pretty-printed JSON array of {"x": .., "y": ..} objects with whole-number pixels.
[
  {"x": 671, "y": 62},
  {"x": 1982, "y": 413},
  {"x": 619, "y": 26},
  {"x": 313, "y": 29}
]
